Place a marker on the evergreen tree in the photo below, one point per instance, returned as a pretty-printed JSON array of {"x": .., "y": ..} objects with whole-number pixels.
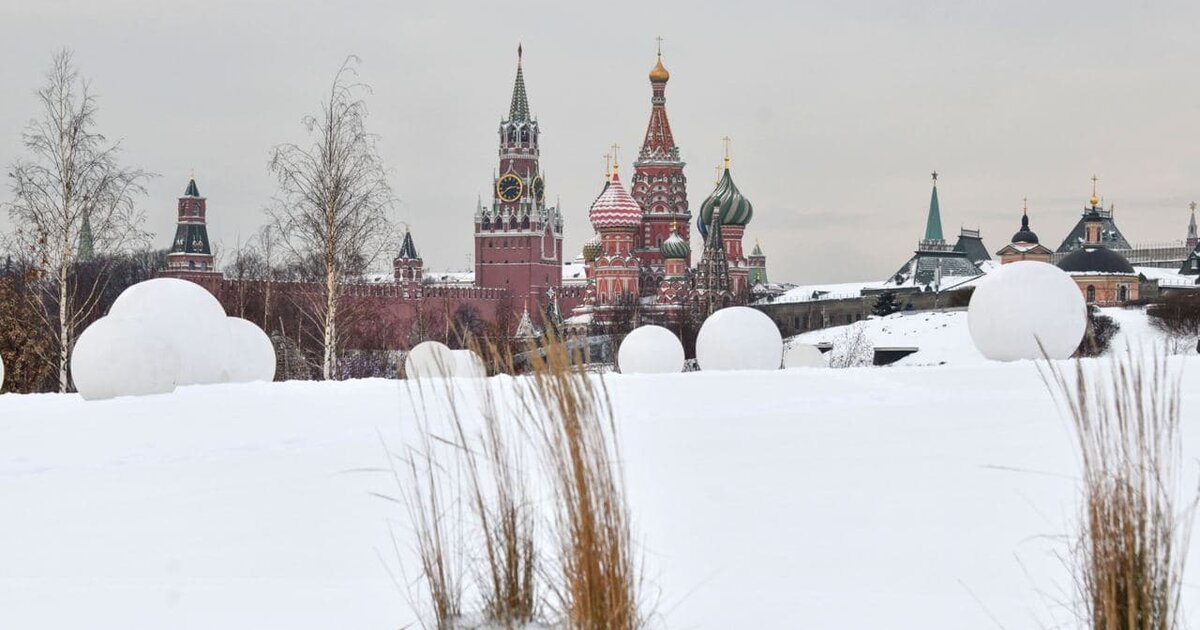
[{"x": 885, "y": 304}]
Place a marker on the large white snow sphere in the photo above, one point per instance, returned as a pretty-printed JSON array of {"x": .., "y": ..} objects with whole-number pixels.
[
  {"x": 430, "y": 359},
  {"x": 739, "y": 338},
  {"x": 251, "y": 354},
  {"x": 189, "y": 317},
  {"x": 1023, "y": 303},
  {"x": 650, "y": 350},
  {"x": 118, "y": 356},
  {"x": 803, "y": 355},
  {"x": 467, "y": 364}
]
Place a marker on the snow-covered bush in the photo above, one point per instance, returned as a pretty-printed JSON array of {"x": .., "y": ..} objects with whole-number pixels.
[
  {"x": 852, "y": 348},
  {"x": 189, "y": 318},
  {"x": 797, "y": 355},
  {"x": 251, "y": 355},
  {"x": 124, "y": 356},
  {"x": 650, "y": 350},
  {"x": 739, "y": 338},
  {"x": 1027, "y": 310}
]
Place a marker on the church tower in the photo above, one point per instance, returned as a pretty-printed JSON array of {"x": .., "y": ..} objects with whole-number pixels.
[
  {"x": 191, "y": 252},
  {"x": 734, "y": 212},
  {"x": 518, "y": 238},
  {"x": 658, "y": 184}
]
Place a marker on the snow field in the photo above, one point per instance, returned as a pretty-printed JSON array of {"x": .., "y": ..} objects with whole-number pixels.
[{"x": 861, "y": 498}]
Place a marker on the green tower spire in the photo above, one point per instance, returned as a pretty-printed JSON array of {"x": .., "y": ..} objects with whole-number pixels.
[
  {"x": 933, "y": 225},
  {"x": 86, "y": 252},
  {"x": 519, "y": 110}
]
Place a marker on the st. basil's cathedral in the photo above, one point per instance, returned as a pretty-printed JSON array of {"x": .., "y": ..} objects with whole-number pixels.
[{"x": 640, "y": 260}]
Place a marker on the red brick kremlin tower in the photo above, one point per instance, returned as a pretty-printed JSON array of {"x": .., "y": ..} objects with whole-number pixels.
[
  {"x": 658, "y": 185},
  {"x": 191, "y": 252},
  {"x": 518, "y": 239}
]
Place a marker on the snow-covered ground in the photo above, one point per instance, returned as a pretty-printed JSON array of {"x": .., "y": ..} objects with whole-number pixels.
[
  {"x": 943, "y": 337},
  {"x": 900, "y": 497}
]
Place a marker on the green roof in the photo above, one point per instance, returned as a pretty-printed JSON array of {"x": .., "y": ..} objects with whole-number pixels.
[{"x": 933, "y": 225}]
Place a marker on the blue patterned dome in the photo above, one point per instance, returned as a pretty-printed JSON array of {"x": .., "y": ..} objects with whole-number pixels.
[{"x": 735, "y": 209}]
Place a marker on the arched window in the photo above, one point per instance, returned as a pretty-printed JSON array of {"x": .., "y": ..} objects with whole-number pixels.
[
  {"x": 1091, "y": 294},
  {"x": 1122, "y": 293}
]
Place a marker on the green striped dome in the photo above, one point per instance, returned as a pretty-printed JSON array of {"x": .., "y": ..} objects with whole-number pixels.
[
  {"x": 675, "y": 247},
  {"x": 735, "y": 209}
]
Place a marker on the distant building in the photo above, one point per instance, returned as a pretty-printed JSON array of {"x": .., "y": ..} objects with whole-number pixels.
[
  {"x": 1104, "y": 276},
  {"x": 936, "y": 265},
  {"x": 1024, "y": 245}
]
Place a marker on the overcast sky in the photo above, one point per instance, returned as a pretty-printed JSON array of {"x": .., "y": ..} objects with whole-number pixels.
[{"x": 838, "y": 111}]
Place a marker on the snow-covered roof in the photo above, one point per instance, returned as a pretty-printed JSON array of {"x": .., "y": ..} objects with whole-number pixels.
[
  {"x": 573, "y": 271},
  {"x": 450, "y": 277}
]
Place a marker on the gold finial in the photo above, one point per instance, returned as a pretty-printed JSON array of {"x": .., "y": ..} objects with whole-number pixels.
[
  {"x": 717, "y": 174},
  {"x": 1095, "y": 201},
  {"x": 616, "y": 160},
  {"x": 674, "y": 223},
  {"x": 726, "y": 140},
  {"x": 1025, "y": 206},
  {"x": 659, "y": 74},
  {"x": 607, "y": 166}
]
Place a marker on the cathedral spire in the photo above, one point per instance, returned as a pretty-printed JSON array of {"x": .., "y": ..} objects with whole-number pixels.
[
  {"x": 1192, "y": 238},
  {"x": 933, "y": 223},
  {"x": 659, "y": 143},
  {"x": 518, "y": 111}
]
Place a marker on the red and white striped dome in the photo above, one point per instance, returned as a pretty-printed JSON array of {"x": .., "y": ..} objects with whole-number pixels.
[{"x": 614, "y": 207}]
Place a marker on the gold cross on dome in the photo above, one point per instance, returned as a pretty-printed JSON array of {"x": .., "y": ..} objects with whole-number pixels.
[
  {"x": 1094, "y": 181},
  {"x": 607, "y": 165},
  {"x": 726, "y": 140},
  {"x": 659, "y": 39},
  {"x": 616, "y": 148}
]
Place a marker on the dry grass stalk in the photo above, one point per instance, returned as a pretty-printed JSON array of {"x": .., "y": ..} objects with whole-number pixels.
[
  {"x": 572, "y": 421},
  {"x": 1130, "y": 556},
  {"x": 500, "y": 500},
  {"x": 430, "y": 494}
]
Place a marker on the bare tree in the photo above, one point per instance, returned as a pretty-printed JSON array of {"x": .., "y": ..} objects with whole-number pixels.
[
  {"x": 72, "y": 203},
  {"x": 334, "y": 200}
]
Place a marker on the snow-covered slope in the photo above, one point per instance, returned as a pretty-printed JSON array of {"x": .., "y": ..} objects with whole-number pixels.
[
  {"x": 907, "y": 497},
  {"x": 943, "y": 336}
]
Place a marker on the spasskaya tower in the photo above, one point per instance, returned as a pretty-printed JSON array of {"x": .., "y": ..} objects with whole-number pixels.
[{"x": 518, "y": 237}]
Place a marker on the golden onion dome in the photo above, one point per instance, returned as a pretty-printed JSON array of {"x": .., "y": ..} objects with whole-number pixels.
[{"x": 659, "y": 74}]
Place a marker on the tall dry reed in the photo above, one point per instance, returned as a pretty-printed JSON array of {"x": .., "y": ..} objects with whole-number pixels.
[
  {"x": 571, "y": 416},
  {"x": 1129, "y": 557}
]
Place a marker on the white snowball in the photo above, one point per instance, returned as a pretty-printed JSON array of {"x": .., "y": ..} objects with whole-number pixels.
[
  {"x": 650, "y": 350},
  {"x": 803, "y": 355},
  {"x": 189, "y": 317},
  {"x": 251, "y": 354},
  {"x": 1022, "y": 303},
  {"x": 1, "y": 374},
  {"x": 467, "y": 364},
  {"x": 119, "y": 356},
  {"x": 739, "y": 338},
  {"x": 430, "y": 359}
]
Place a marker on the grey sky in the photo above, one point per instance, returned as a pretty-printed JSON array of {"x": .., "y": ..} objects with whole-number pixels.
[{"x": 838, "y": 111}]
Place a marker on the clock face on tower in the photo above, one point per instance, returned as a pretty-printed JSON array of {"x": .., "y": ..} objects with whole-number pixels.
[
  {"x": 509, "y": 188},
  {"x": 539, "y": 188}
]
